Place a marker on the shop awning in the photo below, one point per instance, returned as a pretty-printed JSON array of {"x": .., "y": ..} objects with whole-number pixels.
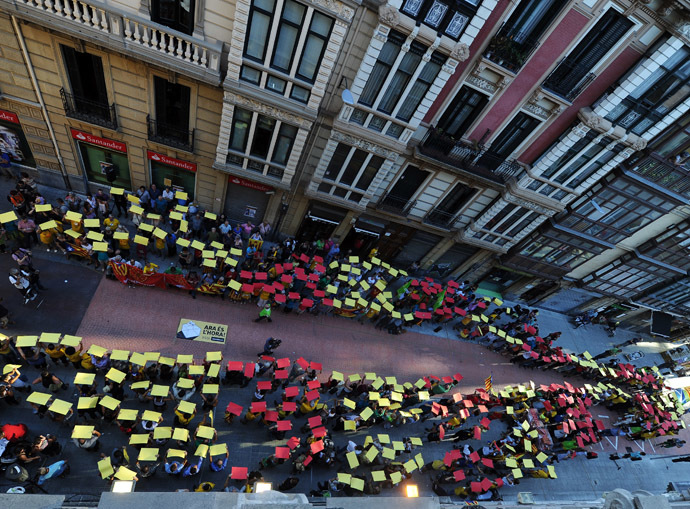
[{"x": 488, "y": 293}]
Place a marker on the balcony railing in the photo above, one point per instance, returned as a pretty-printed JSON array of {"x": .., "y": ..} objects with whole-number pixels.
[
  {"x": 505, "y": 51},
  {"x": 396, "y": 204},
  {"x": 466, "y": 157},
  {"x": 89, "y": 111},
  {"x": 439, "y": 218},
  {"x": 108, "y": 26},
  {"x": 170, "y": 135},
  {"x": 532, "y": 266},
  {"x": 568, "y": 80},
  {"x": 662, "y": 172}
]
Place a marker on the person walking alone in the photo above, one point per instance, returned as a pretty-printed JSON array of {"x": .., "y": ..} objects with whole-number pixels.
[{"x": 265, "y": 314}]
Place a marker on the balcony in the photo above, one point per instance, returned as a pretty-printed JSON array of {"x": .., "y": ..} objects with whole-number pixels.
[
  {"x": 568, "y": 80},
  {"x": 439, "y": 219},
  {"x": 532, "y": 266},
  {"x": 506, "y": 52},
  {"x": 662, "y": 172},
  {"x": 396, "y": 205},
  {"x": 463, "y": 156},
  {"x": 89, "y": 111},
  {"x": 123, "y": 32},
  {"x": 169, "y": 135}
]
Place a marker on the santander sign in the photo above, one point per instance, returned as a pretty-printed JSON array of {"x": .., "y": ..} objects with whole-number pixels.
[
  {"x": 101, "y": 142},
  {"x": 178, "y": 163}
]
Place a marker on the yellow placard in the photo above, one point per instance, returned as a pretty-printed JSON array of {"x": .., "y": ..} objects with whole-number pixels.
[
  {"x": 48, "y": 225},
  {"x": 117, "y": 191},
  {"x": 38, "y": 398},
  {"x": 371, "y": 454},
  {"x": 115, "y": 375},
  {"x": 82, "y": 431},
  {"x": 138, "y": 359},
  {"x": 60, "y": 407},
  {"x": 209, "y": 389},
  {"x": 138, "y": 239},
  {"x": 159, "y": 233},
  {"x": 187, "y": 407},
  {"x": 109, "y": 402},
  {"x": 150, "y": 415},
  {"x": 162, "y": 433},
  {"x": 148, "y": 454},
  {"x": 127, "y": 414},
  {"x": 352, "y": 459},
  {"x": 378, "y": 475},
  {"x": 139, "y": 438},
  {"x": 125, "y": 474},
  {"x": 22, "y": 341},
  {"x": 218, "y": 449},
  {"x": 105, "y": 467},
  {"x": 84, "y": 378},
  {"x": 388, "y": 453},
  {"x": 160, "y": 391},
  {"x": 97, "y": 236},
  {"x": 180, "y": 434},
  {"x": 87, "y": 402},
  {"x": 8, "y": 217},
  {"x": 119, "y": 355},
  {"x": 205, "y": 432},
  {"x": 121, "y": 235}
]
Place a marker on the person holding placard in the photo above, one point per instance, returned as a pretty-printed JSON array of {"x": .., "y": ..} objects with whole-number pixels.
[{"x": 89, "y": 444}]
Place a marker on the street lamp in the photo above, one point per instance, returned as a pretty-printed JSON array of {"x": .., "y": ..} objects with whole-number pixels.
[
  {"x": 120, "y": 486},
  {"x": 411, "y": 491},
  {"x": 260, "y": 487}
]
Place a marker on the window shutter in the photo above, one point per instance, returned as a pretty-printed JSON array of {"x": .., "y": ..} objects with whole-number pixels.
[{"x": 599, "y": 41}]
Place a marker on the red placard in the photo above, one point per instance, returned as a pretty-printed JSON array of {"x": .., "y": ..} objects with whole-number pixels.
[
  {"x": 249, "y": 183},
  {"x": 101, "y": 142},
  {"x": 9, "y": 116},
  {"x": 178, "y": 163}
]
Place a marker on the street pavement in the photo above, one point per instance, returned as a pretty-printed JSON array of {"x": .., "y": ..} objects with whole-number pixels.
[{"x": 79, "y": 301}]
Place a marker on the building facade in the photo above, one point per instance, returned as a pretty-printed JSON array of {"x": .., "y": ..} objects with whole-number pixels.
[{"x": 535, "y": 146}]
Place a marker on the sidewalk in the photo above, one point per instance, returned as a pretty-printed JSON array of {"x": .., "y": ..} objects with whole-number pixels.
[{"x": 591, "y": 338}]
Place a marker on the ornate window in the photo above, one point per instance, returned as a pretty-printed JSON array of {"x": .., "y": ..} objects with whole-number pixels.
[
  {"x": 446, "y": 17},
  {"x": 283, "y": 51}
]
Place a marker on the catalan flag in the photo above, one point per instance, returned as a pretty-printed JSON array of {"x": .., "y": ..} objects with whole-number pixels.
[{"x": 488, "y": 382}]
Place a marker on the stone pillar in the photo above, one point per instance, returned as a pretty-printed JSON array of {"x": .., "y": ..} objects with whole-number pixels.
[
  {"x": 344, "y": 227},
  {"x": 436, "y": 252},
  {"x": 476, "y": 267},
  {"x": 294, "y": 216}
]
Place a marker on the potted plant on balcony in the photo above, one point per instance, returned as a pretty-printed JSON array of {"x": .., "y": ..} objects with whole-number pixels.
[{"x": 506, "y": 52}]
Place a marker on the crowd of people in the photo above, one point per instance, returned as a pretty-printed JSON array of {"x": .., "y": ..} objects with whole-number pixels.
[
  {"x": 177, "y": 434},
  {"x": 167, "y": 413}
]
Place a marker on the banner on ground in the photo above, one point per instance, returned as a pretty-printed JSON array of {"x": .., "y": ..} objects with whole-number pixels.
[{"x": 196, "y": 330}]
